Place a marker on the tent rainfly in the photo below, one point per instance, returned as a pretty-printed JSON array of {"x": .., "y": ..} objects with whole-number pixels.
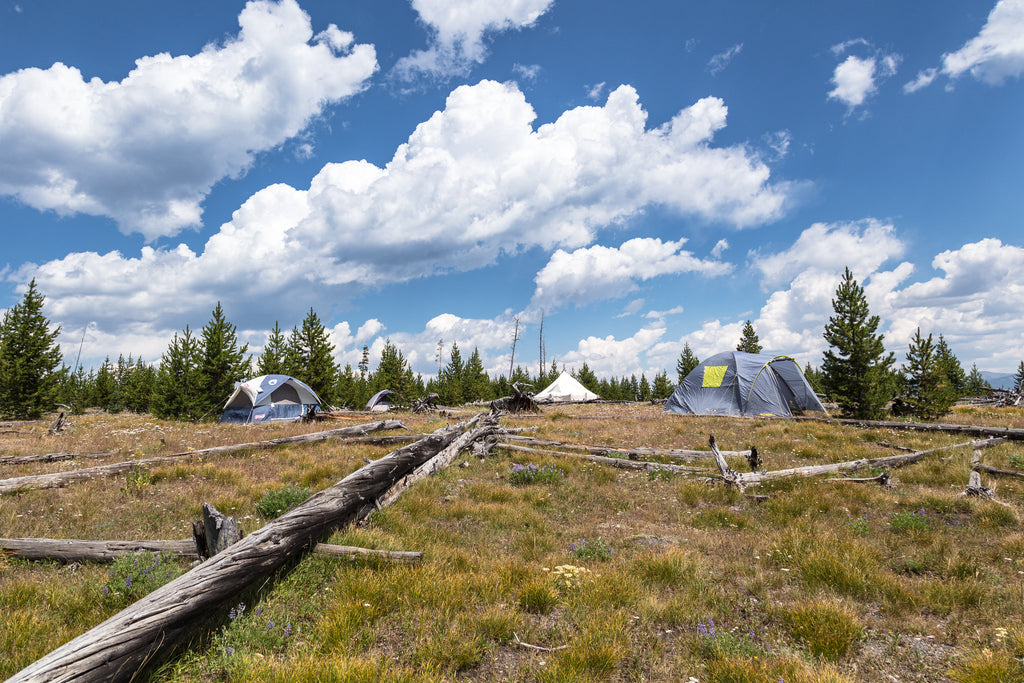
[
  {"x": 749, "y": 384},
  {"x": 565, "y": 389},
  {"x": 380, "y": 402},
  {"x": 270, "y": 398}
]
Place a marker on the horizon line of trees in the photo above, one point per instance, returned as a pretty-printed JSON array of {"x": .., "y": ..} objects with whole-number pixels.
[{"x": 197, "y": 372}]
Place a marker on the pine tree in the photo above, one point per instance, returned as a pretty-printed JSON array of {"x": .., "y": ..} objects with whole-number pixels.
[
  {"x": 926, "y": 392},
  {"x": 450, "y": 381},
  {"x": 587, "y": 378},
  {"x": 644, "y": 393},
  {"x": 177, "y": 390},
  {"x": 391, "y": 372},
  {"x": 661, "y": 388},
  {"x": 686, "y": 363},
  {"x": 1018, "y": 379},
  {"x": 272, "y": 360},
  {"x": 310, "y": 357},
  {"x": 951, "y": 367},
  {"x": 976, "y": 384},
  {"x": 475, "y": 385},
  {"x": 29, "y": 358},
  {"x": 222, "y": 362},
  {"x": 855, "y": 371},
  {"x": 749, "y": 341}
]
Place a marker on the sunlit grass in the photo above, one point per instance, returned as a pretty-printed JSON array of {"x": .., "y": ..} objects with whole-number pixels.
[{"x": 818, "y": 572}]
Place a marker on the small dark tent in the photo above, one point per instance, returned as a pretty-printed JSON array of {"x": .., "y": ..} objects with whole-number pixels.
[
  {"x": 750, "y": 384},
  {"x": 270, "y": 398}
]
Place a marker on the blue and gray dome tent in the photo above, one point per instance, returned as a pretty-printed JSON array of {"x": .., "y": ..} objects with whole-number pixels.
[
  {"x": 748, "y": 384},
  {"x": 270, "y": 398}
]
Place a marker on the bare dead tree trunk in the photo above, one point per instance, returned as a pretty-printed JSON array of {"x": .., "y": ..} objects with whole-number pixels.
[
  {"x": 512, "y": 360},
  {"x": 148, "y": 630}
]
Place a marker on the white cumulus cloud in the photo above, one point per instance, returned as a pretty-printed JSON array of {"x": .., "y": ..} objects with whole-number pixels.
[
  {"x": 146, "y": 150},
  {"x": 457, "y": 29},
  {"x": 997, "y": 52},
  {"x": 473, "y": 181},
  {"x": 595, "y": 273}
]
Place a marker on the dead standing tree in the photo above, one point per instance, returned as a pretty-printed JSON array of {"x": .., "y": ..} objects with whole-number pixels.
[{"x": 148, "y": 630}]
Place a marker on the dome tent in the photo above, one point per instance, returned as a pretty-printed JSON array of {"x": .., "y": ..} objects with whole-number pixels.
[
  {"x": 270, "y": 398},
  {"x": 748, "y": 384},
  {"x": 565, "y": 389}
]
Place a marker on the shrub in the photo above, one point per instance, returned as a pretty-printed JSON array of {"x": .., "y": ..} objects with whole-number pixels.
[
  {"x": 590, "y": 550},
  {"x": 277, "y": 501}
]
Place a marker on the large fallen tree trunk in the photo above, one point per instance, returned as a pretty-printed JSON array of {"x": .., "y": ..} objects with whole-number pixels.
[
  {"x": 59, "y": 479},
  {"x": 146, "y": 631},
  {"x": 739, "y": 480},
  {"x": 73, "y": 550}
]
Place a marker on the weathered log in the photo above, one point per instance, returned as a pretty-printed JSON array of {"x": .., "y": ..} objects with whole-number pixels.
[
  {"x": 51, "y": 457},
  {"x": 72, "y": 550},
  {"x": 353, "y": 553},
  {"x": 435, "y": 464},
  {"x": 59, "y": 425},
  {"x": 1014, "y": 434},
  {"x": 975, "y": 488},
  {"x": 684, "y": 455},
  {"x": 67, "y": 550},
  {"x": 883, "y": 479},
  {"x": 734, "y": 478},
  {"x": 59, "y": 479},
  {"x": 220, "y": 531},
  {"x": 621, "y": 463},
  {"x": 144, "y": 632}
]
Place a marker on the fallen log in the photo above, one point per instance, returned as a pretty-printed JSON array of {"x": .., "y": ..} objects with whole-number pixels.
[
  {"x": 59, "y": 479},
  {"x": 1014, "y": 434},
  {"x": 734, "y": 478},
  {"x": 621, "y": 463},
  {"x": 51, "y": 457},
  {"x": 435, "y": 464},
  {"x": 146, "y": 631},
  {"x": 72, "y": 550},
  {"x": 685, "y": 455}
]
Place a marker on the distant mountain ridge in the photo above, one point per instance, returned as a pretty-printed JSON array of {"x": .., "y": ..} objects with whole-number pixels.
[{"x": 998, "y": 380}]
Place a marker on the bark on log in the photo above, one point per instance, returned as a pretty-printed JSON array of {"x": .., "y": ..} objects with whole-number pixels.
[
  {"x": 67, "y": 550},
  {"x": 59, "y": 479},
  {"x": 1011, "y": 433},
  {"x": 144, "y": 632},
  {"x": 72, "y": 550},
  {"x": 734, "y": 478},
  {"x": 621, "y": 463},
  {"x": 51, "y": 457},
  {"x": 435, "y": 464},
  {"x": 684, "y": 455}
]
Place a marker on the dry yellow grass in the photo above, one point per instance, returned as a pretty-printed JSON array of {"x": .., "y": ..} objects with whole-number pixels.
[{"x": 916, "y": 593}]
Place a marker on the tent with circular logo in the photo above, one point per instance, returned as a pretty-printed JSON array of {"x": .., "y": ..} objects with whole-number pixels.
[
  {"x": 270, "y": 398},
  {"x": 747, "y": 384}
]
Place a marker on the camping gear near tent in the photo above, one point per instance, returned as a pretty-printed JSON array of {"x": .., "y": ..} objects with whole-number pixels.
[
  {"x": 380, "y": 402},
  {"x": 565, "y": 389},
  {"x": 270, "y": 398},
  {"x": 749, "y": 384}
]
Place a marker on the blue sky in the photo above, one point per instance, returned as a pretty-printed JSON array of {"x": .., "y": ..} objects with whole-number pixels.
[{"x": 645, "y": 174}]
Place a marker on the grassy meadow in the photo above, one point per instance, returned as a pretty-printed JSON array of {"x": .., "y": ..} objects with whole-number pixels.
[{"x": 551, "y": 567}]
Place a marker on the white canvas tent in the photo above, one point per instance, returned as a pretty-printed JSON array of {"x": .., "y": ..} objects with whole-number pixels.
[{"x": 565, "y": 389}]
